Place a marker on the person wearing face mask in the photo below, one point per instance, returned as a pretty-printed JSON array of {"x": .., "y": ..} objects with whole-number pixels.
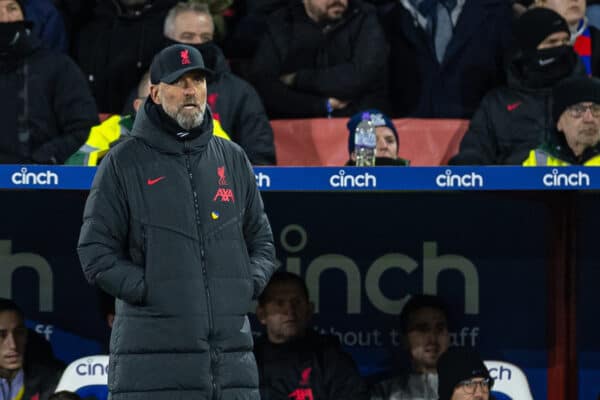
[
  {"x": 47, "y": 109},
  {"x": 515, "y": 118},
  {"x": 585, "y": 38},
  {"x": 233, "y": 101}
]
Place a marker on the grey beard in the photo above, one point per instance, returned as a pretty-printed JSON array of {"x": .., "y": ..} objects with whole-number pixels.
[{"x": 189, "y": 122}]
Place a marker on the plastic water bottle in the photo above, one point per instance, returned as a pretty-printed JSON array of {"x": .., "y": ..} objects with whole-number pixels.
[{"x": 365, "y": 141}]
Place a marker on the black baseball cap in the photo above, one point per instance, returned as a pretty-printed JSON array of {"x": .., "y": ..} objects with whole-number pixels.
[{"x": 174, "y": 61}]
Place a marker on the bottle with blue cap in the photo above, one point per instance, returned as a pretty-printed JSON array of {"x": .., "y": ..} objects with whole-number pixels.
[{"x": 365, "y": 141}]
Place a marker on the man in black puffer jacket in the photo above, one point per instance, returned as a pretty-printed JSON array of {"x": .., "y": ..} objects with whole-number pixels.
[
  {"x": 516, "y": 118},
  {"x": 174, "y": 228},
  {"x": 294, "y": 361},
  {"x": 46, "y": 109},
  {"x": 321, "y": 58}
]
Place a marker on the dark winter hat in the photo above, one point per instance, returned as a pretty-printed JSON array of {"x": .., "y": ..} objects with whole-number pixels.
[
  {"x": 21, "y": 4},
  {"x": 455, "y": 365},
  {"x": 174, "y": 61},
  {"x": 574, "y": 90},
  {"x": 377, "y": 118},
  {"x": 535, "y": 25}
]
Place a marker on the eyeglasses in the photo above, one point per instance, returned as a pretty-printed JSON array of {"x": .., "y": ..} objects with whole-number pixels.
[
  {"x": 578, "y": 110},
  {"x": 470, "y": 386}
]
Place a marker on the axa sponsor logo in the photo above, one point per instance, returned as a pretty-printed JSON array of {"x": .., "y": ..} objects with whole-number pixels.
[
  {"x": 344, "y": 180},
  {"x": 451, "y": 180},
  {"x": 25, "y": 177},
  {"x": 575, "y": 179}
]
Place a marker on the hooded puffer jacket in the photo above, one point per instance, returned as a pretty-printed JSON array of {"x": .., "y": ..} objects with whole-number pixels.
[{"x": 175, "y": 230}]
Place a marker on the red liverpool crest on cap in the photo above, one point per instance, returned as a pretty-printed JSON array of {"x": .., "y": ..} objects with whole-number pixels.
[{"x": 185, "y": 57}]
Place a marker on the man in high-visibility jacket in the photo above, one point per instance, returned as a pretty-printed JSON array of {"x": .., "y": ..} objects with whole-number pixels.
[
  {"x": 576, "y": 115},
  {"x": 117, "y": 128}
]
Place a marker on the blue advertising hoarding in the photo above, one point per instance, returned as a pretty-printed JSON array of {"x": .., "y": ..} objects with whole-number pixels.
[{"x": 362, "y": 255}]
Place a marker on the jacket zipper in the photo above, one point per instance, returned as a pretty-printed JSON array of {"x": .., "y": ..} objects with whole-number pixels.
[{"x": 204, "y": 271}]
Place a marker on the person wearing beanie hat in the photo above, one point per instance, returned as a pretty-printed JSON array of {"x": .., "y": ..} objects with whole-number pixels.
[
  {"x": 576, "y": 117},
  {"x": 585, "y": 38},
  {"x": 515, "y": 118},
  {"x": 463, "y": 376},
  {"x": 386, "y": 152},
  {"x": 167, "y": 205},
  {"x": 46, "y": 107}
]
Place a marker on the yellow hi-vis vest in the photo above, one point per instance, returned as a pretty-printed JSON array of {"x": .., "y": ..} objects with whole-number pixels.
[
  {"x": 108, "y": 132},
  {"x": 539, "y": 158}
]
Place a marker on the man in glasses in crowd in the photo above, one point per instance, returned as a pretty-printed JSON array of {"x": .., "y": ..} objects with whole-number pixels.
[
  {"x": 576, "y": 117},
  {"x": 463, "y": 376}
]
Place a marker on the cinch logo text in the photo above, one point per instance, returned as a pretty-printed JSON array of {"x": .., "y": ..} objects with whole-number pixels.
[
  {"x": 31, "y": 178},
  {"x": 91, "y": 368},
  {"x": 344, "y": 180},
  {"x": 574, "y": 179},
  {"x": 448, "y": 179},
  {"x": 262, "y": 180}
]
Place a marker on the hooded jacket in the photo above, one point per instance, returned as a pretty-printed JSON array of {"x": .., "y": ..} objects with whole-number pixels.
[
  {"x": 238, "y": 107},
  {"x": 312, "y": 367},
  {"x": 47, "y": 109},
  {"x": 346, "y": 60},
  {"x": 175, "y": 230},
  {"x": 117, "y": 46},
  {"x": 510, "y": 121}
]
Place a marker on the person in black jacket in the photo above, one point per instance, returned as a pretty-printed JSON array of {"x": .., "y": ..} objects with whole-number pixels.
[
  {"x": 294, "y": 361},
  {"x": 116, "y": 46},
  {"x": 585, "y": 37},
  {"x": 445, "y": 76},
  {"x": 47, "y": 109},
  {"x": 321, "y": 58},
  {"x": 516, "y": 118},
  {"x": 23, "y": 374},
  {"x": 233, "y": 101},
  {"x": 174, "y": 229}
]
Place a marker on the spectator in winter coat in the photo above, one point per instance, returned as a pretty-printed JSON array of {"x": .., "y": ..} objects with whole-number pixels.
[
  {"x": 295, "y": 362},
  {"x": 233, "y": 101},
  {"x": 585, "y": 38},
  {"x": 47, "y": 109},
  {"x": 445, "y": 55},
  {"x": 116, "y": 46},
  {"x": 22, "y": 376},
  {"x": 320, "y": 58},
  {"x": 576, "y": 113},
  {"x": 516, "y": 118},
  {"x": 424, "y": 325}
]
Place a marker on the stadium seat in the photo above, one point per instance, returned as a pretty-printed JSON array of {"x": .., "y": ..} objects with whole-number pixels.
[
  {"x": 87, "y": 377},
  {"x": 510, "y": 382}
]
